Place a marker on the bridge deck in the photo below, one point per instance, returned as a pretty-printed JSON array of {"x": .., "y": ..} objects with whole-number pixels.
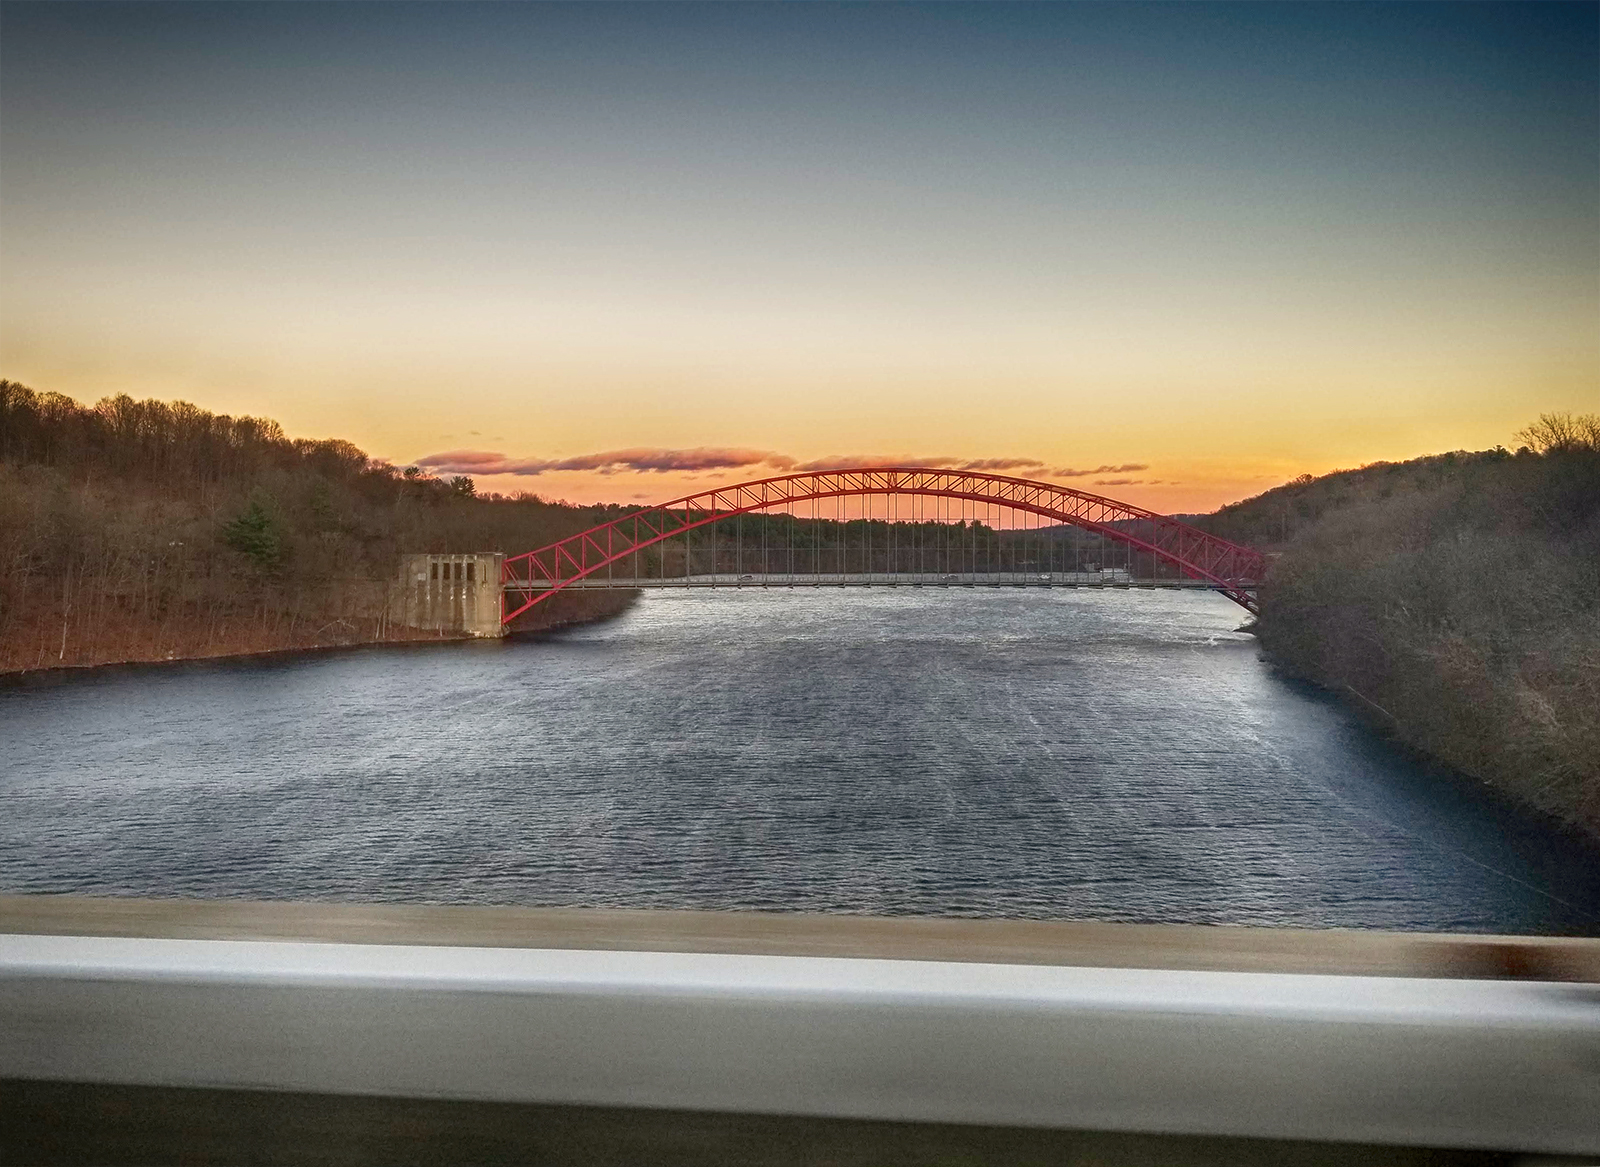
[{"x": 1013, "y": 579}]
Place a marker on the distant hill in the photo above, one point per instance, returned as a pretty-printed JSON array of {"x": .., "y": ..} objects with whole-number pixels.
[{"x": 1274, "y": 518}]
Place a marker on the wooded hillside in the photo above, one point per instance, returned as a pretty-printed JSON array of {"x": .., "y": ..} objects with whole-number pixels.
[
  {"x": 1457, "y": 598},
  {"x": 143, "y": 530}
]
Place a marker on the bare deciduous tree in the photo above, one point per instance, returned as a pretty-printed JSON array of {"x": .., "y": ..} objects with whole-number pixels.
[{"x": 1561, "y": 433}]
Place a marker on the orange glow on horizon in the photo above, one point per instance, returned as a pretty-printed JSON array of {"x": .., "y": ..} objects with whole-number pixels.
[{"x": 1134, "y": 235}]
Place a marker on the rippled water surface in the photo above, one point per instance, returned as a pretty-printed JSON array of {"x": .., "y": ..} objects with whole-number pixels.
[{"x": 1112, "y": 756}]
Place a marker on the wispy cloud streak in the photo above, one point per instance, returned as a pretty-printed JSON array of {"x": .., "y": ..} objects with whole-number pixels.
[
  {"x": 639, "y": 459},
  {"x": 700, "y": 459},
  {"x": 865, "y": 461},
  {"x": 1125, "y": 468}
]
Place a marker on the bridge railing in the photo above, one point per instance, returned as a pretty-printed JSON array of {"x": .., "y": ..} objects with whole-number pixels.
[
  {"x": 1375, "y": 1038},
  {"x": 1119, "y": 578}
]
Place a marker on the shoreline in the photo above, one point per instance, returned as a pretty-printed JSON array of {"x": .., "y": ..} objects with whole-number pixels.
[
  {"x": 521, "y": 630},
  {"x": 1403, "y": 736}
]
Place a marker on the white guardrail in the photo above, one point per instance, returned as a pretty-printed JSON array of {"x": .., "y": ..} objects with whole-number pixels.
[{"x": 1397, "y": 1060}]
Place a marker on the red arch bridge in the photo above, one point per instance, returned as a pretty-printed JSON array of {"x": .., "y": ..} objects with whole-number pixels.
[{"x": 814, "y": 529}]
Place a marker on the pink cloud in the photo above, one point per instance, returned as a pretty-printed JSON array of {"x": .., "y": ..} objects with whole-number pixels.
[
  {"x": 868, "y": 461},
  {"x": 1001, "y": 464},
  {"x": 463, "y": 461},
  {"x": 654, "y": 460},
  {"x": 1125, "y": 468},
  {"x": 639, "y": 459}
]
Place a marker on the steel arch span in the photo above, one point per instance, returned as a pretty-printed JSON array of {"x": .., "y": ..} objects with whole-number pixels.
[{"x": 1233, "y": 570}]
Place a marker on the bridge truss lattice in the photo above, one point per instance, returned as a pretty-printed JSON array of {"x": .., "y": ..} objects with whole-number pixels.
[{"x": 532, "y": 577}]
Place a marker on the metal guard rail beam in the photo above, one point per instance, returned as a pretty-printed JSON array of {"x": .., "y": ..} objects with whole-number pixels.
[{"x": 1402, "y": 1061}]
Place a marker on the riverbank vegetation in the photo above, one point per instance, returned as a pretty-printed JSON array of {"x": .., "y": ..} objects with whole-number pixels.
[
  {"x": 144, "y": 530},
  {"x": 1457, "y": 599}
]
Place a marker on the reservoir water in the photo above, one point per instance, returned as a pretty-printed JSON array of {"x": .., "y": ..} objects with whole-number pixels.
[{"x": 1064, "y": 754}]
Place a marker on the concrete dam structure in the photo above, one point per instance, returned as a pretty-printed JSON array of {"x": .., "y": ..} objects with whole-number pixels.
[{"x": 453, "y": 595}]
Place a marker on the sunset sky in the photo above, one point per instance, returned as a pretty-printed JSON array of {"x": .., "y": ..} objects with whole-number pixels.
[{"x": 602, "y": 251}]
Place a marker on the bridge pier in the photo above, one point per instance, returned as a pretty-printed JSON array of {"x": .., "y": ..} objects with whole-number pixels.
[{"x": 450, "y": 594}]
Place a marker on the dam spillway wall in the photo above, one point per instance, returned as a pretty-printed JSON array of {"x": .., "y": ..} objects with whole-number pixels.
[{"x": 455, "y": 595}]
